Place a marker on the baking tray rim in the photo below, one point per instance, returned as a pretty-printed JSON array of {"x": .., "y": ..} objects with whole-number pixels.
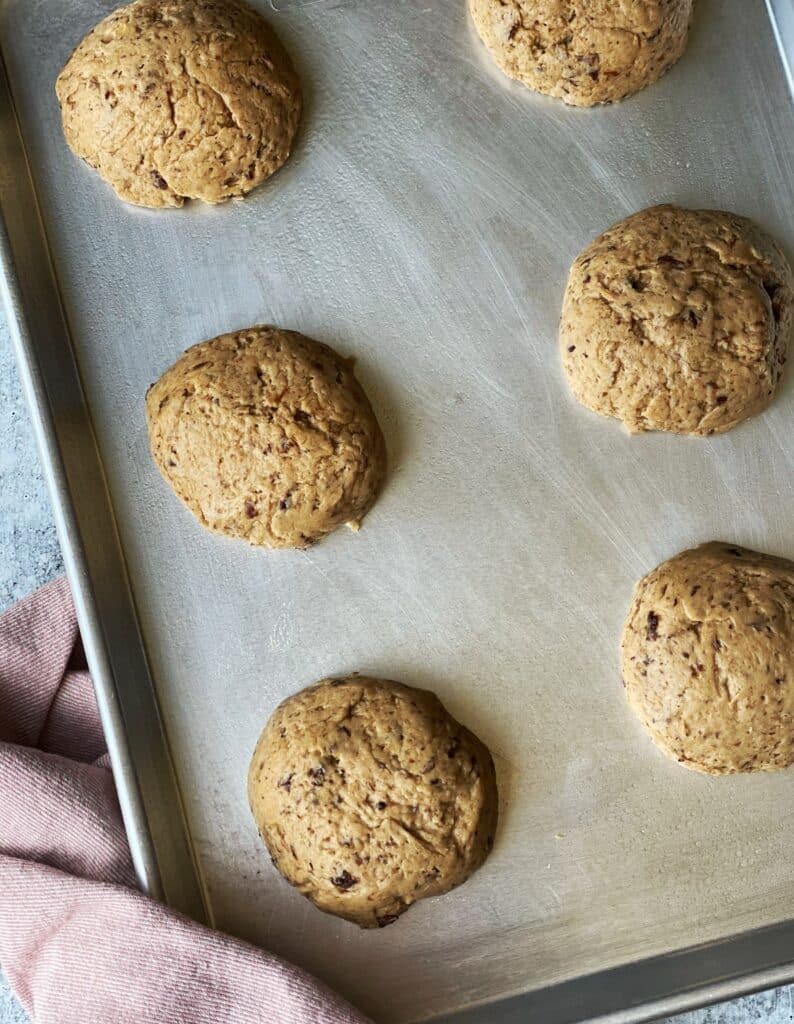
[
  {"x": 117, "y": 675},
  {"x": 632, "y": 993}
]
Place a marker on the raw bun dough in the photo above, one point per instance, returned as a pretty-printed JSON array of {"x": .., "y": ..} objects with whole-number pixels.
[
  {"x": 181, "y": 99},
  {"x": 370, "y": 796},
  {"x": 677, "y": 320},
  {"x": 584, "y": 51},
  {"x": 266, "y": 435},
  {"x": 708, "y": 659}
]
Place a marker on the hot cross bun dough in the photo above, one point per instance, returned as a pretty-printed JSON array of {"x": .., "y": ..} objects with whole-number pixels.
[
  {"x": 370, "y": 796},
  {"x": 708, "y": 659},
  {"x": 584, "y": 51},
  {"x": 181, "y": 99},
  {"x": 677, "y": 320},
  {"x": 267, "y": 435}
]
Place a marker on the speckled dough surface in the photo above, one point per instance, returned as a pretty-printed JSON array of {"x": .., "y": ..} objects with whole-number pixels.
[
  {"x": 267, "y": 435},
  {"x": 677, "y": 320},
  {"x": 370, "y": 796},
  {"x": 181, "y": 99},
  {"x": 584, "y": 51},
  {"x": 708, "y": 659}
]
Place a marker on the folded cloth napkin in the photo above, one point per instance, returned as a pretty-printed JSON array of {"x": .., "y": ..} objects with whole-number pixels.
[{"x": 78, "y": 942}]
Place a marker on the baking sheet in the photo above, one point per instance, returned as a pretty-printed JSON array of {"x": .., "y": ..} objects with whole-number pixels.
[{"x": 425, "y": 225}]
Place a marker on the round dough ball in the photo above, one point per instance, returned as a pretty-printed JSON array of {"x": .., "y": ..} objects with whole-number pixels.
[
  {"x": 370, "y": 796},
  {"x": 708, "y": 659},
  {"x": 267, "y": 435},
  {"x": 584, "y": 51},
  {"x": 677, "y": 320},
  {"x": 181, "y": 99}
]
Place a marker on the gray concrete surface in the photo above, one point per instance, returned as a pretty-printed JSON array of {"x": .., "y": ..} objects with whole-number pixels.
[{"x": 29, "y": 557}]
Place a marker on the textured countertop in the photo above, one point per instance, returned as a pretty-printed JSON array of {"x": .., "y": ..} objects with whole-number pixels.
[{"x": 29, "y": 557}]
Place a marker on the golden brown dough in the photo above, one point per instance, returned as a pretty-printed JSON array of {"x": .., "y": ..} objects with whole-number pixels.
[
  {"x": 266, "y": 435},
  {"x": 181, "y": 99},
  {"x": 370, "y": 796},
  {"x": 584, "y": 51},
  {"x": 677, "y": 320},
  {"x": 708, "y": 659}
]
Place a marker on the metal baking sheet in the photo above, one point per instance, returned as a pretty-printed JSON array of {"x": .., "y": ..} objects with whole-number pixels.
[{"x": 425, "y": 225}]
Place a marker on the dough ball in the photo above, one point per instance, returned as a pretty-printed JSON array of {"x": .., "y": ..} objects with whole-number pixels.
[
  {"x": 677, "y": 320},
  {"x": 267, "y": 435},
  {"x": 584, "y": 51},
  {"x": 181, "y": 99},
  {"x": 370, "y": 796},
  {"x": 708, "y": 659}
]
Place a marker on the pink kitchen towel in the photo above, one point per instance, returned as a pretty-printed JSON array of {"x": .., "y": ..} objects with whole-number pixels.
[{"x": 78, "y": 942}]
